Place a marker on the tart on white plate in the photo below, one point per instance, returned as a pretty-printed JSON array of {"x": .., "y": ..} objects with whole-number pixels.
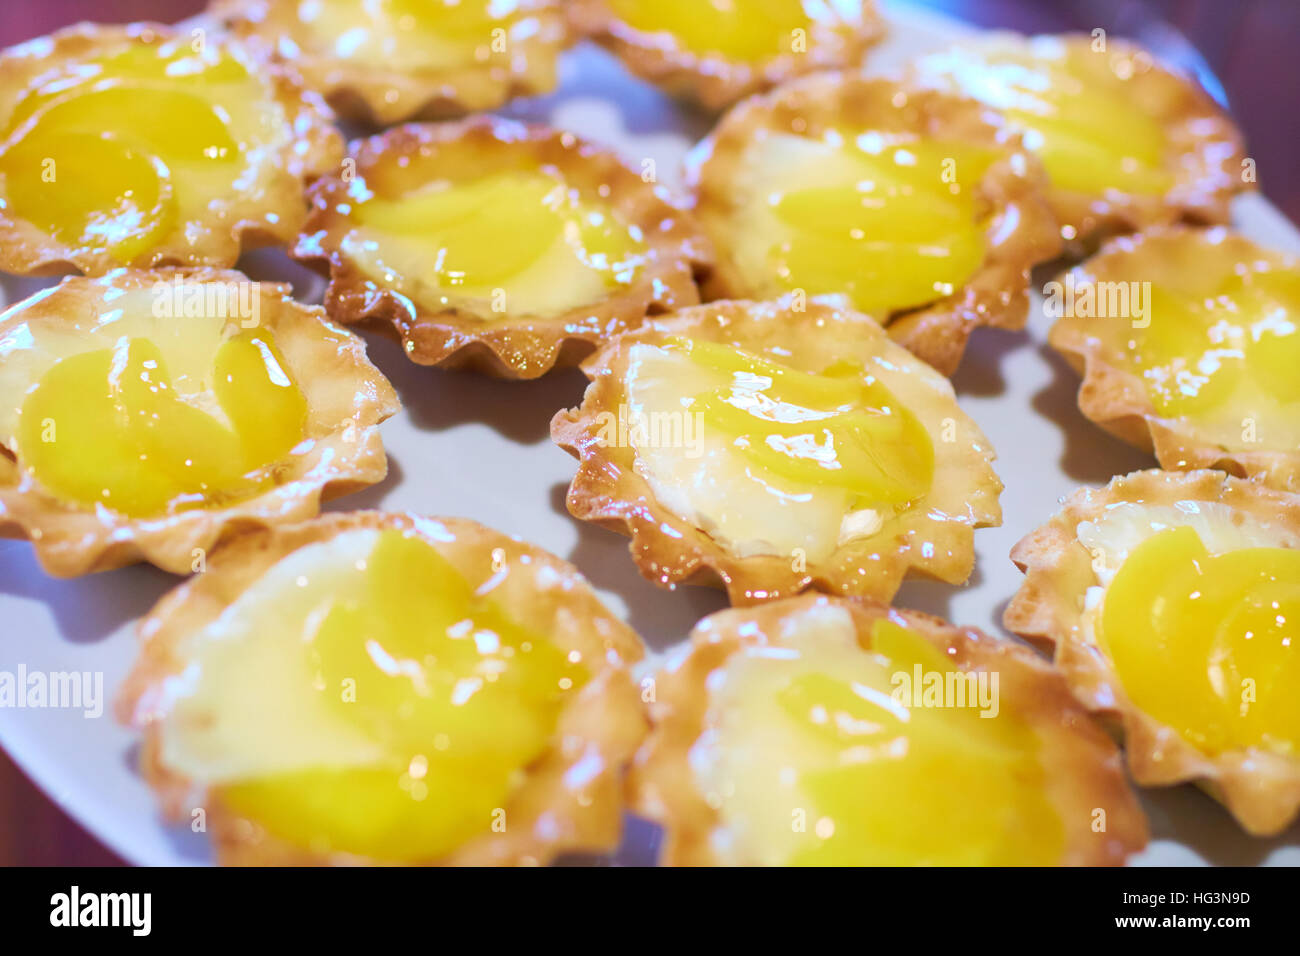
[
  {"x": 1171, "y": 600},
  {"x": 773, "y": 447},
  {"x": 830, "y": 732},
  {"x": 144, "y": 145},
  {"x": 498, "y": 246},
  {"x": 715, "y": 52},
  {"x": 1128, "y": 143},
  {"x": 1188, "y": 345},
  {"x": 919, "y": 208},
  {"x": 149, "y": 415},
  {"x": 385, "y": 61},
  {"x": 387, "y": 688}
]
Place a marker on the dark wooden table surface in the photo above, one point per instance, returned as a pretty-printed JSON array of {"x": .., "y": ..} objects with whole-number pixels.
[{"x": 1249, "y": 44}]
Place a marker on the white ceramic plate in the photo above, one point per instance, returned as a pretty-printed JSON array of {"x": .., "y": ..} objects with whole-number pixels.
[{"x": 480, "y": 448}]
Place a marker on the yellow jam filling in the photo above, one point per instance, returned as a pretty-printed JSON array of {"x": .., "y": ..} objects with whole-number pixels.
[
  {"x": 506, "y": 236},
  {"x": 891, "y": 225},
  {"x": 108, "y": 428},
  {"x": 743, "y": 30},
  {"x": 408, "y": 34},
  {"x": 831, "y": 756},
  {"x": 456, "y": 698},
  {"x": 108, "y": 154},
  {"x": 1207, "y": 643},
  {"x": 1077, "y": 114},
  {"x": 830, "y": 429},
  {"x": 1228, "y": 346}
]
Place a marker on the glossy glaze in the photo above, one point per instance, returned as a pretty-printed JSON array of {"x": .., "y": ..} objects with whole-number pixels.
[
  {"x": 109, "y": 428},
  {"x": 747, "y": 31},
  {"x": 816, "y": 755},
  {"x": 408, "y": 704},
  {"x": 522, "y": 239},
  {"x": 836, "y": 429},
  {"x": 143, "y": 411},
  {"x": 405, "y": 34},
  {"x": 1206, "y": 642},
  {"x": 112, "y": 151},
  {"x": 1233, "y": 344},
  {"x": 1075, "y": 109}
]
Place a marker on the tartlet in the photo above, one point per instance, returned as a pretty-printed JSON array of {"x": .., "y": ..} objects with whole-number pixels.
[
  {"x": 918, "y": 208},
  {"x": 484, "y": 711},
  {"x": 715, "y": 54},
  {"x": 498, "y": 246},
  {"x": 385, "y": 61},
  {"x": 1187, "y": 343},
  {"x": 1167, "y": 597},
  {"x": 151, "y": 415},
  {"x": 142, "y": 146},
  {"x": 1127, "y": 142},
  {"x": 692, "y": 439},
  {"x": 827, "y": 731}
]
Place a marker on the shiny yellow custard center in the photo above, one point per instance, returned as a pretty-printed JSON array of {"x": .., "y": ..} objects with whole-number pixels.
[
  {"x": 891, "y": 757},
  {"x": 409, "y": 33},
  {"x": 94, "y": 154},
  {"x": 832, "y": 429},
  {"x": 1207, "y": 351},
  {"x": 107, "y": 427},
  {"x": 1078, "y": 115},
  {"x": 458, "y": 698},
  {"x": 476, "y": 238},
  {"x": 745, "y": 30},
  {"x": 1209, "y": 643},
  {"x": 890, "y": 226}
]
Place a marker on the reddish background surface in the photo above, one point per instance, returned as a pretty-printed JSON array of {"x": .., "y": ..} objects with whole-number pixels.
[{"x": 1250, "y": 45}]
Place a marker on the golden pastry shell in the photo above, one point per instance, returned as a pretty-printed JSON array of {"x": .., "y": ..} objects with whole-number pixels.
[
  {"x": 466, "y": 334},
  {"x": 609, "y": 490},
  {"x": 1206, "y": 149},
  {"x": 378, "y": 94},
  {"x": 1260, "y": 788},
  {"x": 1022, "y": 230},
  {"x": 714, "y": 80},
  {"x": 347, "y": 398},
  {"x": 1116, "y": 398},
  {"x": 1083, "y": 768},
  {"x": 551, "y": 813},
  {"x": 240, "y": 221}
]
